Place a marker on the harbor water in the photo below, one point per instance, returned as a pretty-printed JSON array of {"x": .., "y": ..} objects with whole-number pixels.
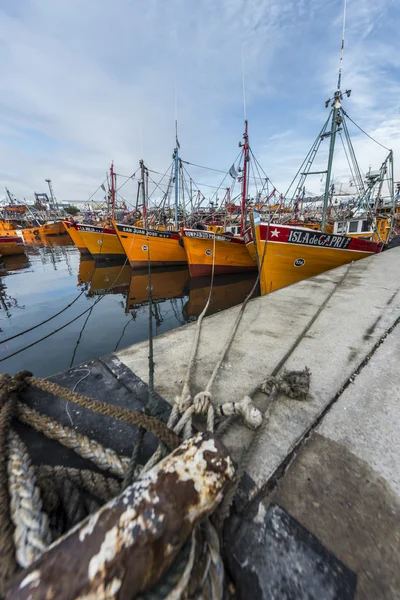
[{"x": 53, "y": 278}]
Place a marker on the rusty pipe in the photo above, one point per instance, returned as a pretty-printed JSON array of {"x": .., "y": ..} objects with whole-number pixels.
[{"x": 132, "y": 540}]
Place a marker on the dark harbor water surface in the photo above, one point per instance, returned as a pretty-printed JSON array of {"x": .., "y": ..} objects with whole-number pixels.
[{"x": 53, "y": 275}]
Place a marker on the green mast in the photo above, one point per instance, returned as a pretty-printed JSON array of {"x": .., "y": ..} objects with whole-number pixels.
[{"x": 336, "y": 121}]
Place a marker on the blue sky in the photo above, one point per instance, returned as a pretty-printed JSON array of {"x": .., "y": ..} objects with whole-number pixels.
[{"x": 87, "y": 82}]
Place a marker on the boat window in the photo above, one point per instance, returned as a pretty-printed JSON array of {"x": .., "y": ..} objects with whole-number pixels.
[
  {"x": 339, "y": 227},
  {"x": 353, "y": 227},
  {"x": 365, "y": 226}
]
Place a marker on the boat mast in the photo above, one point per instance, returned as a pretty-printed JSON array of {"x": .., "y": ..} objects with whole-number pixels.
[
  {"x": 336, "y": 121},
  {"x": 244, "y": 179},
  {"x": 142, "y": 183},
  {"x": 176, "y": 159},
  {"x": 112, "y": 177}
]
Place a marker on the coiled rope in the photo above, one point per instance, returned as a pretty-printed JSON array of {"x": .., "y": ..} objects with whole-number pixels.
[{"x": 28, "y": 494}]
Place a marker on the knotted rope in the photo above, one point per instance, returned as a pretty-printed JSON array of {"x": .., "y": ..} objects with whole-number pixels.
[
  {"x": 32, "y": 532},
  {"x": 29, "y": 494}
]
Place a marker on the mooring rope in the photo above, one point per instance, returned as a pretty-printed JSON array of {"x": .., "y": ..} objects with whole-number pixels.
[
  {"x": 31, "y": 525},
  {"x": 104, "y": 458},
  {"x": 158, "y": 428},
  {"x": 294, "y": 384}
]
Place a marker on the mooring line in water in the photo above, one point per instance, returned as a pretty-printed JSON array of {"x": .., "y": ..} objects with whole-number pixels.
[
  {"x": 13, "y": 337},
  {"x": 69, "y": 322}
]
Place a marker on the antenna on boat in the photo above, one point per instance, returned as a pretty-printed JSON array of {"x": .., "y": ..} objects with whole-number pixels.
[
  {"x": 244, "y": 87},
  {"x": 176, "y": 160},
  {"x": 336, "y": 122},
  {"x": 342, "y": 48}
]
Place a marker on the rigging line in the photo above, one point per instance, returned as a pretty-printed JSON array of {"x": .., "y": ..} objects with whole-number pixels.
[
  {"x": 348, "y": 160},
  {"x": 43, "y": 322},
  {"x": 244, "y": 87},
  {"x": 79, "y": 338},
  {"x": 266, "y": 178},
  {"x": 256, "y": 164},
  {"x": 314, "y": 148},
  {"x": 158, "y": 172},
  {"x": 186, "y": 162},
  {"x": 69, "y": 322},
  {"x": 342, "y": 48},
  {"x": 367, "y": 134},
  {"x": 354, "y": 158},
  {"x": 123, "y": 332}
]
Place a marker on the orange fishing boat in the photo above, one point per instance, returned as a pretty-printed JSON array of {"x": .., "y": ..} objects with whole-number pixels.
[
  {"x": 161, "y": 248},
  {"x": 227, "y": 253},
  {"x": 224, "y": 252},
  {"x": 10, "y": 245},
  {"x": 101, "y": 242},
  {"x": 52, "y": 228},
  {"x": 287, "y": 254},
  {"x": 76, "y": 236}
]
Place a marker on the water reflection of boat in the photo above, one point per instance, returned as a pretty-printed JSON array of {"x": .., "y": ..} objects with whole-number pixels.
[
  {"x": 11, "y": 245},
  {"x": 228, "y": 290},
  {"x": 48, "y": 241},
  {"x": 166, "y": 283},
  {"x": 13, "y": 263},
  {"x": 103, "y": 277}
]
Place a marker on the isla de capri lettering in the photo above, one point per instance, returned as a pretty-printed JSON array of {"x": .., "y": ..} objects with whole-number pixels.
[{"x": 318, "y": 238}]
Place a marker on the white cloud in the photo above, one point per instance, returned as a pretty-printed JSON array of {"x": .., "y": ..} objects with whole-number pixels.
[{"x": 85, "y": 83}]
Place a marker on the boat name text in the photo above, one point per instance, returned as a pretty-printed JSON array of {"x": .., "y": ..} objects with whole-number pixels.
[{"x": 319, "y": 239}]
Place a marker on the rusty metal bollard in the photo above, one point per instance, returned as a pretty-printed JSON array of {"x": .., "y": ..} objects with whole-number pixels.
[{"x": 131, "y": 541}]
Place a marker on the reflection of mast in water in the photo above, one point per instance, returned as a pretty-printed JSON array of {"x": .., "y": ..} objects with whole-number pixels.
[
  {"x": 8, "y": 302},
  {"x": 228, "y": 290},
  {"x": 166, "y": 284}
]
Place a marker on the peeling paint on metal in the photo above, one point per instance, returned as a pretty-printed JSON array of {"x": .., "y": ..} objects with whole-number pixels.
[
  {"x": 133, "y": 539},
  {"x": 32, "y": 578}
]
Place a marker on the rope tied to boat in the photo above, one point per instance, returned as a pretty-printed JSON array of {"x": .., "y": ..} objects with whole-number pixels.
[{"x": 45, "y": 502}]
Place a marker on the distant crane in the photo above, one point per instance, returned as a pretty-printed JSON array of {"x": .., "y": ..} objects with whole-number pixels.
[{"x": 52, "y": 196}]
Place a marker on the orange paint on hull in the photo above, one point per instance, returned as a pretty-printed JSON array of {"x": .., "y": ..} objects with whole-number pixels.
[
  {"x": 10, "y": 246},
  {"x": 102, "y": 242},
  {"x": 161, "y": 248},
  {"x": 227, "y": 291},
  {"x": 76, "y": 237},
  {"x": 56, "y": 228},
  {"x": 231, "y": 255},
  {"x": 165, "y": 284},
  {"x": 289, "y": 261}
]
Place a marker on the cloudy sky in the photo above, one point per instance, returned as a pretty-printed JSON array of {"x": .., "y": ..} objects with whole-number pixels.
[{"x": 87, "y": 82}]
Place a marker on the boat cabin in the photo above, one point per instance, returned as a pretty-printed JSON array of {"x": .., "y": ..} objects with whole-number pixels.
[
  {"x": 233, "y": 229},
  {"x": 353, "y": 227}
]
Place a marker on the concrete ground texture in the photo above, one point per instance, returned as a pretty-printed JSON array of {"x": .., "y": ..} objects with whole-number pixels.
[{"x": 332, "y": 462}]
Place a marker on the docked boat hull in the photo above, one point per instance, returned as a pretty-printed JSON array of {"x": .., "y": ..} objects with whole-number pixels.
[
  {"x": 288, "y": 254},
  {"x": 76, "y": 237},
  {"x": 160, "y": 248},
  {"x": 101, "y": 242},
  {"x": 231, "y": 255},
  {"x": 10, "y": 246},
  {"x": 56, "y": 228}
]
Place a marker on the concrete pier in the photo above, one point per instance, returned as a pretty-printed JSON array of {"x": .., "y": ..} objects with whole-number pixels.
[
  {"x": 318, "y": 511},
  {"x": 333, "y": 463}
]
